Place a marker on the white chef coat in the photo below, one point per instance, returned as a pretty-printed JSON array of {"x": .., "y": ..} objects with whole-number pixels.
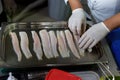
[
  {"x": 1, "y": 7},
  {"x": 103, "y": 9}
]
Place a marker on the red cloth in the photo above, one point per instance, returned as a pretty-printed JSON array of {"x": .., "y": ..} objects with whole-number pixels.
[{"x": 56, "y": 74}]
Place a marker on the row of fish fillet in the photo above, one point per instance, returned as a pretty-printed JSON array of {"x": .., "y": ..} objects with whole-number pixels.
[{"x": 51, "y": 43}]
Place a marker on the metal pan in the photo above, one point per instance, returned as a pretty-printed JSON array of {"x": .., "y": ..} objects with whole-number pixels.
[{"x": 9, "y": 57}]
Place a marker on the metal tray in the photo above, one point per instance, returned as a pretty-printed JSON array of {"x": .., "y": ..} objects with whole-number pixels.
[{"x": 9, "y": 57}]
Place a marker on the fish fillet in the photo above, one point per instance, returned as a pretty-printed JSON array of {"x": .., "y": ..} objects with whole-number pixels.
[
  {"x": 76, "y": 38},
  {"x": 46, "y": 43},
  {"x": 37, "y": 45},
  {"x": 71, "y": 44},
  {"x": 53, "y": 40},
  {"x": 25, "y": 44},
  {"x": 16, "y": 46},
  {"x": 64, "y": 43},
  {"x": 61, "y": 45}
]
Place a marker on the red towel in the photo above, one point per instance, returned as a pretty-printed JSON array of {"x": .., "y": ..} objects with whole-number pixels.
[{"x": 55, "y": 74}]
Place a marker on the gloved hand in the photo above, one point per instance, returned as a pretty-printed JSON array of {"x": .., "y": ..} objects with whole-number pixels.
[
  {"x": 76, "y": 21},
  {"x": 93, "y": 35}
]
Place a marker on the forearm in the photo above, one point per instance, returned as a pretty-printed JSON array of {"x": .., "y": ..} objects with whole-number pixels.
[
  {"x": 75, "y": 4},
  {"x": 113, "y": 22}
]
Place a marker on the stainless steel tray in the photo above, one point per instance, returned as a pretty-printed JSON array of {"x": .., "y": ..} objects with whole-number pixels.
[{"x": 10, "y": 58}]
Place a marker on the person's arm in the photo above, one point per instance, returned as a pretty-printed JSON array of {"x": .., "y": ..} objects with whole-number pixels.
[
  {"x": 113, "y": 22},
  {"x": 77, "y": 19},
  {"x": 75, "y": 4},
  {"x": 98, "y": 31}
]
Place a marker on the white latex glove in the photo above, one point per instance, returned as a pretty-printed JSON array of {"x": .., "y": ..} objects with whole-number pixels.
[
  {"x": 76, "y": 21},
  {"x": 93, "y": 35}
]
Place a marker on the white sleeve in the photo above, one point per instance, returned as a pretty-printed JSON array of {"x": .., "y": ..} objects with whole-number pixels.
[{"x": 66, "y": 1}]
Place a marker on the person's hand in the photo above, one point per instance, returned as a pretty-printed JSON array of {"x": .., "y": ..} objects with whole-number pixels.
[
  {"x": 93, "y": 35},
  {"x": 76, "y": 21}
]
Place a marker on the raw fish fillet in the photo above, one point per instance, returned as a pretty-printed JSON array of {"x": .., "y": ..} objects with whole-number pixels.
[
  {"x": 61, "y": 45},
  {"x": 71, "y": 44},
  {"x": 76, "y": 37},
  {"x": 46, "y": 43},
  {"x": 62, "y": 34},
  {"x": 16, "y": 45},
  {"x": 25, "y": 44},
  {"x": 53, "y": 40},
  {"x": 37, "y": 45},
  {"x": 81, "y": 52}
]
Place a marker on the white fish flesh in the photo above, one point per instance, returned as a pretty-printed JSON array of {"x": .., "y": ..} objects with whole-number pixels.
[
  {"x": 64, "y": 43},
  {"x": 53, "y": 40},
  {"x": 71, "y": 44},
  {"x": 37, "y": 45},
  {"x": 16, "y": 46},
  {"x": 76, "y": 38},
  {"x": 46, "y": 43},
  {"x": 61, "y": 46},
  {"x": 24, "y": 42}
]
